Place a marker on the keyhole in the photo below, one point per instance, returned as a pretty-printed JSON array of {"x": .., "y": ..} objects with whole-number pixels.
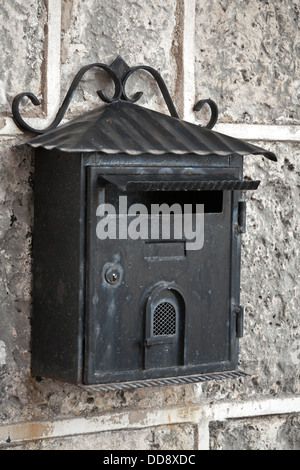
[{"x": 112, "y": 275}]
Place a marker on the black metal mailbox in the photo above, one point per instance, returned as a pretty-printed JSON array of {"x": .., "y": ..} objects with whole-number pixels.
[{"x": 137, "y": 243}]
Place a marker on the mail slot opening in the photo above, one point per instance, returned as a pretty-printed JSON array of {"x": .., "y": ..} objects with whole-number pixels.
[{"x": 211, "y": 200}]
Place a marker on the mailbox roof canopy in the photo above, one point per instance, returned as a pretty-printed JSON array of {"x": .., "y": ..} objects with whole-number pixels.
[{"x": 123, "y": 127}]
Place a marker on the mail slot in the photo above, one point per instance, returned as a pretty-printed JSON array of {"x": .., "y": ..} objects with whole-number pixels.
[{"x": 137, "y": 242}]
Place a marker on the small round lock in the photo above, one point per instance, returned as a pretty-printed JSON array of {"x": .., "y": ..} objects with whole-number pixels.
[{"x": 112, "y": 275}]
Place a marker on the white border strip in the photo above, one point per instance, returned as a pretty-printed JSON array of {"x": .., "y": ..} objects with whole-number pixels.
[
  {"x": 188, "y": 54},
  {"x": 53, "y": 58},
  {"x": 256, "y": 132},
  {"x": 139, "y": 419}
]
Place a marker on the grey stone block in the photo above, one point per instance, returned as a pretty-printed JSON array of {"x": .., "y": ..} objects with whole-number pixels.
[{"x": 247, "y": 58}]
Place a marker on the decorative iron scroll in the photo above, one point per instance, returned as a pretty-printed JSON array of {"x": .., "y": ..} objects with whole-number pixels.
[
  {"x": 163, "y": 88},
  {"x": 214, "y": 111},
  {"x": 119, "y": 72},
  {"x": 63, "y": 109}
]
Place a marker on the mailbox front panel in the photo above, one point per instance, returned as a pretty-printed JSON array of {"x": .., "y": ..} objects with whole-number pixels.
[{"x": 153, "y": 307}]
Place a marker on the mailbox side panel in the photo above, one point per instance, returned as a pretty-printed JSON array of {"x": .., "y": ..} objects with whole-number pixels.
[{"x": 58, "y": 265}]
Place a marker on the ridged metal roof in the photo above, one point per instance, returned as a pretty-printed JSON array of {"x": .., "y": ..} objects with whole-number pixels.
[{"x": 123, "y": 127}]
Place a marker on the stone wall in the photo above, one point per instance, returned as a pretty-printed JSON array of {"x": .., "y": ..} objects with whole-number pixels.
[{"x": 244, "y": 55}]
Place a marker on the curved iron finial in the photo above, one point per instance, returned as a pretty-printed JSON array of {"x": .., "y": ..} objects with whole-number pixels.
[
  {"x": 214, "y": 111},
  {"x": 159, "y": 80},
  {"x": 119, "y": 72},
  {"x": 63, "y": 109}
]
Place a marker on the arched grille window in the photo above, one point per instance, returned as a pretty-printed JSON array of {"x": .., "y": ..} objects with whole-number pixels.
[{"x": 164, "y": 320}]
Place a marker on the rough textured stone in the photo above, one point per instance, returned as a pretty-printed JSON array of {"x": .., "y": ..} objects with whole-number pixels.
[
  {"x": 22, "y": 54},
  {"x": 142, "y": 33},
  {"x": 264, "y": 433},
  {"x": 15, "y": 272},
  {"x": 247, "y": 59},
  {"x": 176, "y": 437}
]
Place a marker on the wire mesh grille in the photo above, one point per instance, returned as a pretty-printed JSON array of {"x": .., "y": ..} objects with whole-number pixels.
[{"x": 164, "y": 320}]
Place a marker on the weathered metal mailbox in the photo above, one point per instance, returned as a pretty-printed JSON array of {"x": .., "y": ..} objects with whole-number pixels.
[{"x": 137, "y": 241}]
